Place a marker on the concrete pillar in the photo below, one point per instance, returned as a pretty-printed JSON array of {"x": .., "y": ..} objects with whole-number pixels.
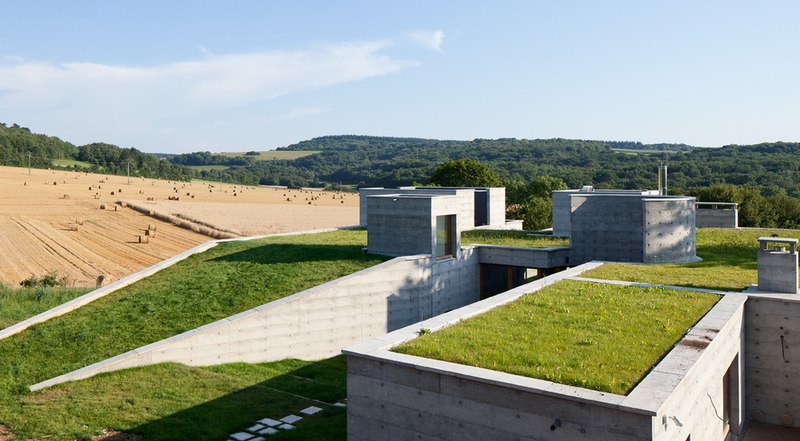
[{"x": 777, "y": 265}]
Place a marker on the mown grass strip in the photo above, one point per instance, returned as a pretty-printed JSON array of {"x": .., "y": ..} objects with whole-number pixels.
[
  {"x": 597, "y": 336},
  {"x": 729, "y": 262},
  {"x": 172, "y": 401},
  {"x": 511, "y": 238},
  {"x": 230, "y": 278},
  {"x": 19, "y": 304}
]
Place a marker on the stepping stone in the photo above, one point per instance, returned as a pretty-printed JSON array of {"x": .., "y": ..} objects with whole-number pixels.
[
  {"x": 270, "y": 422},
  {"x": 255, "y": 428},
  {"x": 340, "y": 404},
  {"x": 268, "y": 431},
  {"x": 242, "y": 436},
  {"x": 311, "y": 410},
  {"x": 286, "y": 427},
  {"x": 291, "y": 419}
]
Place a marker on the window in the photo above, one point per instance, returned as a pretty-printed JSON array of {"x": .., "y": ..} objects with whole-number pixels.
[{"x": 445, "y": 236}]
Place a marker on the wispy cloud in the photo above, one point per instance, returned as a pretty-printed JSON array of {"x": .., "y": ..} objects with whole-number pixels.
[
  {"x": 132, "y": 98},
  {"x": 429, "y": 39}
]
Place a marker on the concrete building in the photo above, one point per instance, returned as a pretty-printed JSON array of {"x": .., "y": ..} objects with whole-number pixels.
[
  {"x": 487, "y": 207},
  {"x": 631, "y": 227},
  {"x": 562, "y": 207}
]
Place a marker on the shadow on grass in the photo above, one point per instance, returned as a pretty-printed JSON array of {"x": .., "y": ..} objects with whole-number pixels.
[
  {"x": 319, "y": 384},
  {"x": 295, "y": 253}
]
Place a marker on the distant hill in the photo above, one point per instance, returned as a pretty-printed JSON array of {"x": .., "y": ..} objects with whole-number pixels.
[
  {"x": 352, "y": 160},
  {"x": 18, "y": 145},
  {"x": 388, "y": 161}
]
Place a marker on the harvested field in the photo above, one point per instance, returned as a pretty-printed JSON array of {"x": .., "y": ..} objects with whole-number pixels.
[{"x": 51, "y": 220}]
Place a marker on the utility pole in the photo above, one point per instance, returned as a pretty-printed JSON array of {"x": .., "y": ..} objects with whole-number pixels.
[{"x": 29, "y": 163}]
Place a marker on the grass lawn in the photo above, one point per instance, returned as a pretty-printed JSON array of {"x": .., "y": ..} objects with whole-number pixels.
[
  {"x": 225, "y": 280},
  {"x": 19, "y": 304},
  {"x": 269, "y": 155},
  {"x": 511, "y": 238},
  {"x": 70, "y": 163},
  {"x": 729, "y": 262},
  {"x": 601, "y": 337},
  {"x": 176, "y": 402},
  {"x": 208, "y": 167}
]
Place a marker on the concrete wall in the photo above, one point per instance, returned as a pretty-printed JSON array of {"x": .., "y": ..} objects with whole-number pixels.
[
  {"x": 691, "y": 377},
  {"x": 318, "y": 322},
  {"x": 555, "y": 257},
  {"x": 669, "y": 230},
  {"x": 497, "y": 206},
  {"x": 772, "y": 363},
  {"x": 606, "y": 227},
  {"x": 562, "y": 207},
  {"x": 717, "y": 215},
  {"x": 399, "y": 226},
  {"x": 364, "y": 193},
  {"x": 466, "y": 218}
]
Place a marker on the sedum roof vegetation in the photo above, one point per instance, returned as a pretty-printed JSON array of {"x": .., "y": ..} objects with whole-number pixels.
[{"x": 597, "y": 336}]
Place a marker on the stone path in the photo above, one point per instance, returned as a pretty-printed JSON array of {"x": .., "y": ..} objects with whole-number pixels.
[{"x": 268, "y": 426}]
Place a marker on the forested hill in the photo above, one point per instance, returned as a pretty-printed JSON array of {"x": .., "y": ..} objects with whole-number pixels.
[
  {"x": 18, "y": 145},
  {"x": 774, "y": 167}
]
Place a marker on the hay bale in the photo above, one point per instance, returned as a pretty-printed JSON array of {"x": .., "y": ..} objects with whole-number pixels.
[
  {"x": 119, "y": 191},
  {"x": 144, "y": 239},
  {"x": 99, "y": 282},
  {"x": 79, "y": 221},
  {"x": 112, "y": 193},
  {"x": 123, "y": 204},
  {"x": 55, "y": 183},
  {"x": 66, "y": 196},
  {"x": 73, "y": 227},
  {"x": 102, "y": 206},
  {"x": 150, "y": 233},
  {"x": 116, "y": 207}
]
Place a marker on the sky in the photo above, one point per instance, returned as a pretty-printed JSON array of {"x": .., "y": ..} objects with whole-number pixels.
[{"x": 183, "y": 76}]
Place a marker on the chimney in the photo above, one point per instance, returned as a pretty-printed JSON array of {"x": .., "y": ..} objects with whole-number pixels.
[{"x": 662, "y": 179}]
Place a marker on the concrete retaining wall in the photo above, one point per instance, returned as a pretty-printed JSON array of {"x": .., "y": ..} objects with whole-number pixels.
[
  {"x": 772, "y": 362},
  {"x": 318, "y": 322}
]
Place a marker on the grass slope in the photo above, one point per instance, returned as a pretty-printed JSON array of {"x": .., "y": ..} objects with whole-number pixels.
[
  {"x": 188, "y": 403},
  {"x": 729, "y": 262},
  {"x": 601, "y": 337},
  {"x": 225, "y": 280},
  {"x": 19, "y": 304}
]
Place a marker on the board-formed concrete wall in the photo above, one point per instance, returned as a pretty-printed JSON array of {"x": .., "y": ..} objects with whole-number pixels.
[
  {"x": 318, "y": 322},
  {"x": 772, "y": 363},
  {"x": 717, "y": 215},
  {"x": 406, "y": 224},
  {"x": 669, "y": 230},
  {"x": 466, "y": 213},
  {"x": 606, "y": 227}
]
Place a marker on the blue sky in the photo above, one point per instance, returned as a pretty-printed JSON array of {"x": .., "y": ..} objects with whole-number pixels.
[{"x": 183, "y": 76}]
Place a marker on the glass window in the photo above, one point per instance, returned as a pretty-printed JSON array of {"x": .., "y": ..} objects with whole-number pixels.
[{"x": 445, "y": 236}]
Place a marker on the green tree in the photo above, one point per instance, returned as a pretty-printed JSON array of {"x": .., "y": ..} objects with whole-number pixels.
[
  {"x": 532, "y": 202},
  {"x": 465, "y": 172}
]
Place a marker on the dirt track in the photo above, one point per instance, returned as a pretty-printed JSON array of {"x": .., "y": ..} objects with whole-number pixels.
[{"x": 52, "y": 220}]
